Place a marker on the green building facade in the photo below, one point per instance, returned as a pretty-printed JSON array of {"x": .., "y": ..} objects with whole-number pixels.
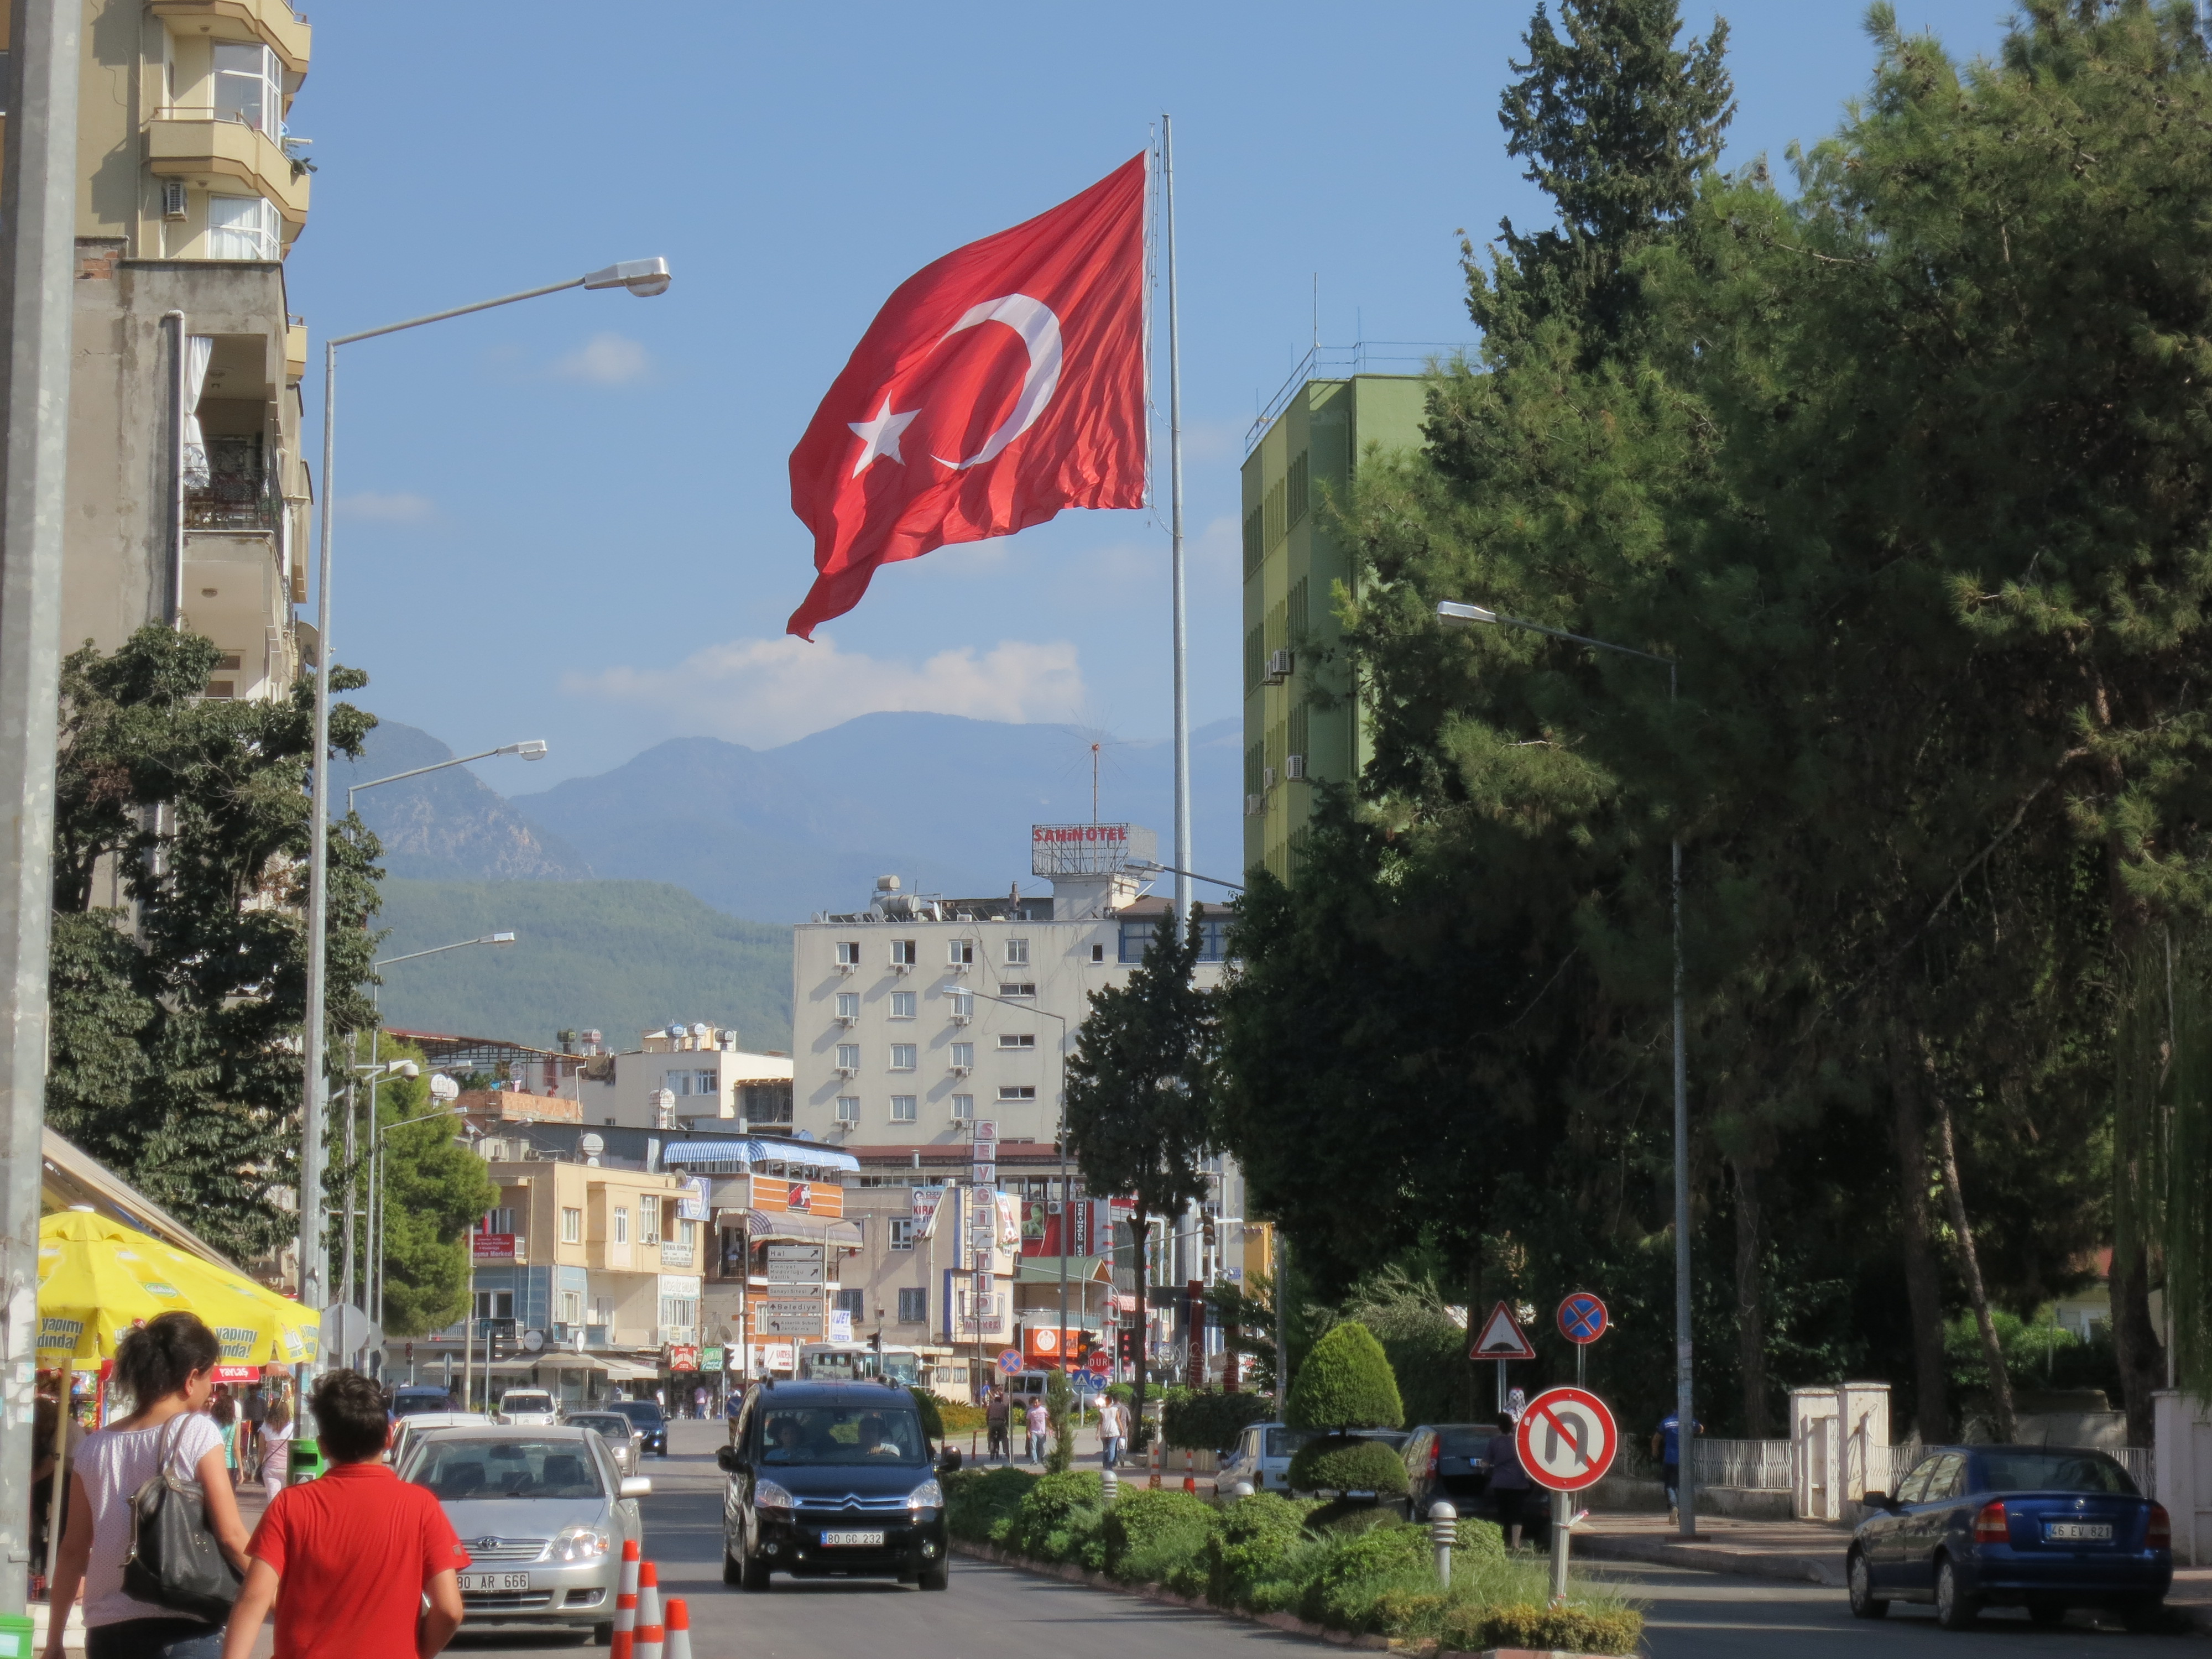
[{"x": 1302, "y": 716}]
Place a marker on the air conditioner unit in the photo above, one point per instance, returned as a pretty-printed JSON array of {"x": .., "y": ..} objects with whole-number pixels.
[
  {"x": 172, "y": 198},
  {"x": 1279, "y": 666},
  {"x": 902, "y": 967},
  {"x": 847, "y": 967},
  {"x": 848, "y": 1071},
  {"x": 958, "y": 967},
  {"x": 962, "y": 1071},
  {"x": 1255, "y": 806},
  {"x": 1294, "y": 767},
  {"x": 1266, "y": 778},
  {"x": 848, "y": 1020},
  {"x": 962, "y": 1019}
]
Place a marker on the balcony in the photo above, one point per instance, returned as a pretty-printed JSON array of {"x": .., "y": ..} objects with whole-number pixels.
[
  {"x": 185, "y": 142},
  {"x": 272, "y": 22}
]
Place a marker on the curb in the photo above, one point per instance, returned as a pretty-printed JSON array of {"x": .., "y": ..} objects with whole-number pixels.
[
  {"x": 1289, "y": 1623},
  {"x": 1800, "y": 1569}
]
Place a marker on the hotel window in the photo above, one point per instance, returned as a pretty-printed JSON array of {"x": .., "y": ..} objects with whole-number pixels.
[
  {"x": 905, "y": 1109},
  {"x": 902, "y": 953},
  {"x": 913, "y": 1307},
  {"x": 848, "y": 953},
  {"x": 1017, "y": 953},
  {"x": 572, "y": 1226},
  {"x": 848, "y": 1005},
  {"x": 1018, "y": 1091},
  {"x": 964, "y": 1056},
  {"x": 903, "y": 1055},
  {"x": 249, "y": 87},
  {"x": 963, "y": 1109},
  {"x": 960, "y": 952},
  {"x": 622, "y": 1225},
  {"x": 902, "y": 1004},
  {"x": 848, "y": 1056},
  {"x": 848, "y": 1108},
  {"x": 242, "y": 228},
  {"x": 572, "y": 1307},
  {"x": 902, "y": 1233},
  {"x": 1018, "y": 1040}
]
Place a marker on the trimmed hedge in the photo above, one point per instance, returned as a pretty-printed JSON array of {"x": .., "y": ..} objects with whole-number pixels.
[
  {"x": 1249, "y": 1551},
  {"x": 1059, "y": 1517},
  {"x": 1357, "y": 1571},
  {"x": 1159, "y": 1538},
  {"x": 1346, "y": 1383},
  {"x": 1336, "y": 1463},
  {"x": 1208, "y": 1419},
  {"x": 983, "y": 1505},
  {"x": 1524, "y": 1625}
]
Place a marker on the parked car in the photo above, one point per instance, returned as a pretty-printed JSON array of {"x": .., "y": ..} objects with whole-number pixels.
[
  {"x": 1263, "y": 1457},
  {"x": 2043, "y": 1528},
  {"x": 618, "y": 1431},
  {"x": 543, "y": 1514},
  {"x": 408, "y": 1430},
  {"x": 833, "y": 1478},
  {"x": 532, "y": 1407},
  {"x": 409, "y": 1399},
  {"x": 650, "y": 1421},
  {"x": 1447, "y": 1461}
]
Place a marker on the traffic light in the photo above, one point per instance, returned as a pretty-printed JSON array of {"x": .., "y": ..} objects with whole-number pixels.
[
  {"x": 1125, "y": 1346},
  {"x": 1082, "y": 1342}
]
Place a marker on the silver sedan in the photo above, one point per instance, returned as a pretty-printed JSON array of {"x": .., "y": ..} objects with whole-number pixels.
[{"x": 621, "y": 1435}]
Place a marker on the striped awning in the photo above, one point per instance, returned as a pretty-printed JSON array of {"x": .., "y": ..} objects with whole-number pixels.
[{"x": 763, "y": 1223}]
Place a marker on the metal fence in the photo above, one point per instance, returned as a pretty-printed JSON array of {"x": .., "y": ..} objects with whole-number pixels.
[{"x": 1744, "y": 1465}]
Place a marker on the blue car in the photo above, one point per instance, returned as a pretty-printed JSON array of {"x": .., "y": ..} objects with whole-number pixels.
[{"x": 2042, "y": 1528}]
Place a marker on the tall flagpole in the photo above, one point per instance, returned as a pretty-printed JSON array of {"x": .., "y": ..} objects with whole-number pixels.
[{"x": 1182, "y": 858}]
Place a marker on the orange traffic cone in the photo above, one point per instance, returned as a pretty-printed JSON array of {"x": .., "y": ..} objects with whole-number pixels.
[
  {"x": 625, "y": 1621},
  {"x": 678, "y": 1645},
  {"x": 627, "y": 1583},
  {"x": 651, "y": 1636}
]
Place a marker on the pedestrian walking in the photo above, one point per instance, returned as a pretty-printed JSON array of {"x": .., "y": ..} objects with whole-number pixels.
[
  {"x": 224, "y": 1410},
  {"x": 167, "y": 1367},
  {"x": 732, "y": 1407},
  {"x": 1113, "y": 1429},
  {"x": 1666, "y": 1446},
  {"x": 1040, "y": 1421},
  {"x": 1509, "y": 1482},
  {"x": 995, "y": 1414},
  {"x": 276, "y": 1443},
  {"x": 350, "y": 1560},
  {"x": 252, "y": 1411},
  {"x": 699, "y": 1402}
]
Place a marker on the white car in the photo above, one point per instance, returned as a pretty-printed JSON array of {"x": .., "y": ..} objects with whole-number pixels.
[
  {"x": 1262, "y": 1456},
  {"x": 408, "y": 1429},
  {"x": 531, "y": 1407}
]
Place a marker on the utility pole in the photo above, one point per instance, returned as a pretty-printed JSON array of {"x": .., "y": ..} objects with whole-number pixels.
[{"x": 38, "y": 241}]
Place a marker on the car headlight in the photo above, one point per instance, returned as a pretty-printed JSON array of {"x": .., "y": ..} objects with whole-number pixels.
[
  {"x": 926, "y": 1496},
  {"x": 767, "y": 1495},
  {"x": 577, "y": 1544}
]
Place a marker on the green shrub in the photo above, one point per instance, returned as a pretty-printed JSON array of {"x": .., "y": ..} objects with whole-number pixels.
[
  {"x": 1057, "y": 1515},
  {"x": 1253, "y": 1545},
  {"x": 983, "y": 1505},
  {"x": 926, "y": 1406},
  {"x": 1346, "y": 1383},
  {"x": 1059, "y": 1415},
  {"x": 1337, "y": 1463},
  {"x": 1348, "y": 1517},
  {"x": 1566, "y": 1630},
  {"x": 1355, "y": 1572},
  {"x": 1208, "y": 1419},
  {"x": 958, "y": 1416},
  {"x": 1409, "y": 1612},
  {"x": 1477, "y": 1540},
  {"x": 1159, "y": 1537}
]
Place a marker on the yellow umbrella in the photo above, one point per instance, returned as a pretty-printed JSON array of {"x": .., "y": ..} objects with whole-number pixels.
[{"x": 98, "y": 1277}]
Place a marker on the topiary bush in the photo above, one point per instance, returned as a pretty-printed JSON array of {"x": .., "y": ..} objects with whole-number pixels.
[
  {"x": 1251, "y": 1547},
  {"x": 1336, "y": 1462},
  {"x": 983, "y": 1505},
  {"x": 1208, "y": 1419},
  {"x": 1059, "y": 1515},
  {"x": 1564, "y": 1629},
  {"x": 1355, "y": 1572},
  {"x": 1159, "y": 1537},
  {"x": 1477, "y": 1540},
  {"x": 1346, "y": 1383}
]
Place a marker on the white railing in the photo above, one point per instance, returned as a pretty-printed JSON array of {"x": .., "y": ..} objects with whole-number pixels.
[
  {"x": 1743, "y": 1465},
  {"x": 2142, "y": 1468}
]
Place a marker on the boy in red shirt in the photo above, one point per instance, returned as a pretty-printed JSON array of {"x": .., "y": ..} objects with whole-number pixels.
[{"x": 348, "y": 1559}]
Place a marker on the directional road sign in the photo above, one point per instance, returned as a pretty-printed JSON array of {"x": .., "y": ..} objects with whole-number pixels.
[
  {"x": 1566, "y": 1439},
  {"x": 1501, "y": 1338},
  {"x": 1010, "y": 1360},
  {"x": 1582, "y": 1317}
]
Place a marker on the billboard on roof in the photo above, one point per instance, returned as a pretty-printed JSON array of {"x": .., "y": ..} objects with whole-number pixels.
[{"x": 1089, "y": 849}]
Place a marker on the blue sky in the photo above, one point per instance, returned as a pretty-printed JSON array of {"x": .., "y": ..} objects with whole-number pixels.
[{"x": 570, "y": 520}]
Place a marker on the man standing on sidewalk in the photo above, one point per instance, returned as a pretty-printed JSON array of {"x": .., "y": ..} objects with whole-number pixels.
[
  {"x": 1113, "y": 1429},
  {"x": 1040, "y": 1422}
]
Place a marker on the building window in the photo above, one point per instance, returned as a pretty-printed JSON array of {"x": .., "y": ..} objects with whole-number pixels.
[
  {"x": 902, "y": 1004},
  {"x": 902, "y": 953},
  {"x": 848, "y": 1056},
  {"x": 572, "y": 1307},
  {"x": 242, "y": 228},
  {"x": 1018, "y": 1091},
  {"x": 905, "y": 1109},
  {"x": 902, "y": 1056},
  {"x": 572, "y": 1226},
  {"x": 1017, "y": 953},
  {"x": 913, "y": 1307},
  {"x": 902, "y": 1233},
  {"x": 765, "y": 1103},
  {"x": 964, "y": 1056},
  {"x": 707, "y": 1083},
  {"x": 1018, "y": 1039},
  {"x": 848, "y": 953},
  {"x": 848, "y": 1005},
  {"x": 687, "y": 1233},
  {"x": 494, "y": 1304},
  {"x": 1213, "y": 939},
  {"x": 648, "y": 1222},
  {"x": 963, "y": 1004},
  {"x": 854, "y": 1303},
  {"x": 496, "y": 1221},
  {"x": 249, "y": 87},
  {"x": 622, "y": 1225},
  {"x": 963, "y": 1109},
  {"x": 681, "y": 1311},
  {"x": 848, "y": 1108},
  {"x": 1098, "y": 953},
  {"x": 960, "y": 952},
  {"x": 1008, "y": 988}
]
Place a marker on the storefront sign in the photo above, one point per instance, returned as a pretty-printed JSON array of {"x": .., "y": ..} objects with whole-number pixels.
[
  {"x": 773, "y": 1357},
  {"x": 776, "y": 1196},
  {"x": 978, "y": 1316},
  {"x": 794, "y": 1264},
  {"x": 840, "y": 1325},
  {"x": 710, "y": 1360},
  {"x": 682, "y": 1357},
  {"x": 495, "y": 1247},
  {"x": 787, "y": 1318},
  {"x": 692, "y": 1205}
]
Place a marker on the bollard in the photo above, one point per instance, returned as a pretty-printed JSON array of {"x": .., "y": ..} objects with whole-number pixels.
[
  {"x": 1109, "y": 1484},
  {"x": 625, "y": 1640},
  {"x": 1443, "y": 1531},
  {"x": 678, "y": 1643}
]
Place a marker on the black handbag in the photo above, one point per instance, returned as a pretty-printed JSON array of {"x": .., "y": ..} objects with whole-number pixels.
[{"x": 174, "y": 1561}]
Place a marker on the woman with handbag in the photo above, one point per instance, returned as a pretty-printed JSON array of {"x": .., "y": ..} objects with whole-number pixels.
[{"x": 146, "y": 1496}]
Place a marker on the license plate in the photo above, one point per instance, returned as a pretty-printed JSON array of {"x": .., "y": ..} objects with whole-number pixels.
[
  {"x": 495, "y": 1581},
  {"x": 855, "y": 1540},
  {"x": 2080, "y": 1532}
]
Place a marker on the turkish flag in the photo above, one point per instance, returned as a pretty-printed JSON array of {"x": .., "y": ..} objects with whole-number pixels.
[{"x": 996, "y": 387}]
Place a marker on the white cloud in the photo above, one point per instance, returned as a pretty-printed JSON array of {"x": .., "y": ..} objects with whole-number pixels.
[
  {"x": 396, "y": 509},
  {"x": 605, "y": 359},
  {"x": 765, "y": 692}
]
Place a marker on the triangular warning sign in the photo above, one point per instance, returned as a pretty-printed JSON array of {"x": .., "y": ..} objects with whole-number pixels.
[{"x": 1501, "y": 1338}]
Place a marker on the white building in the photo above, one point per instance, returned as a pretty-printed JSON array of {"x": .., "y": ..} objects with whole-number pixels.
[{"x": 689, "y": 1078}]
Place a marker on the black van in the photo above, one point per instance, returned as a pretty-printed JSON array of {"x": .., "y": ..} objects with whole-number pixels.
[{"x": 833, "y": 1479}]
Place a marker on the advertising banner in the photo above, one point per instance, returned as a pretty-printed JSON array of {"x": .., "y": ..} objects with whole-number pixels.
[
  {"x": 495, "y": 1247},
  {"x": 692, "y": 1205}
]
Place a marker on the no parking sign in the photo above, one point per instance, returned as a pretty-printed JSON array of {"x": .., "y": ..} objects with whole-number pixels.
[{"x": 1566, "y": 1439}]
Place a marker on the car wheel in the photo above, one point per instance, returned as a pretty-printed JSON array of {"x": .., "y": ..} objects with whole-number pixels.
[
  {"x": 733, "y": 1570},
  {"x": 1954, "y": 1608},
  {"x": 2144, "y": 1614},
  {"x": 602, "y": 1635},
  {"x": 1865, "y": 1604},
  {"x": 2046, "y": 1615},
  {"x": 936, "y": 1576},
  {"x": 755, "y": 1573}
]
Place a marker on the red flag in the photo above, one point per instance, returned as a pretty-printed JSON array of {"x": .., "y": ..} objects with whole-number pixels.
[{"x": 996, "y": 387}]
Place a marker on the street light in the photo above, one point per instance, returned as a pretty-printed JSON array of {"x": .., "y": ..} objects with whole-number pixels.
[
  {"x": 533, "y": 749},
  {"x": 1456, "y": 615},
  {"x": 1147, "y": 867},
  {"x": 643, "y": 277},
  {"x": 374, "y": 1073}
]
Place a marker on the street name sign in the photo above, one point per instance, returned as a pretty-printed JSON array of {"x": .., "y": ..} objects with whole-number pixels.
[
  {"x": 1566, "y": 1439},
  {"x": 1501, "y": 1338},
  {"x": 1582, "y": 1317},
  {"x": 794, "y": 1264},
  {"x": 787, "y": 1318}
]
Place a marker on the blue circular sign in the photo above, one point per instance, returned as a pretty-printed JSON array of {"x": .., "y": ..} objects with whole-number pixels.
[
  {"x": 1582, "y": 1317},
  {"x": 1010, "y": 1360}
]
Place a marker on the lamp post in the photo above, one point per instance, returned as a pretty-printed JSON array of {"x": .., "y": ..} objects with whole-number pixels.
[
  {"x": 531, "y": 750},
  {"x": 1454, "y": 614},
  {"x": 958, "y": 991},
  {"x": 374, "y": 1073},
  {"x": 643, "y": 277}
]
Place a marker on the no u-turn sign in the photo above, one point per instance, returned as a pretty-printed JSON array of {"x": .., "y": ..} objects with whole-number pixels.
[{"x": 1566, "y": 1439}]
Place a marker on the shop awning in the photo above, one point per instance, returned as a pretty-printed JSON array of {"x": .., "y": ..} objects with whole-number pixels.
[
  {"x": 761, "y": 1224},
  {"x": 726, "y": 1154},
  {"x": 1045, "y": 1269},
  {"x": 629, "y": 1370}
]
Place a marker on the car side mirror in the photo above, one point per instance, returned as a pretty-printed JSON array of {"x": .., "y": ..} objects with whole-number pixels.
[
  {"x": 1879, "y": 1500},
  {"x": 727, "y": 1457},
  {"x": 948, "y": 1460},
  {"x": 636, "y": 1485}
]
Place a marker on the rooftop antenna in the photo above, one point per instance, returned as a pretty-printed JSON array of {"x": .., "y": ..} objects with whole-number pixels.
[
  {"x": 1317, "y": 319},
  {"x": 1094, "y": 748}
]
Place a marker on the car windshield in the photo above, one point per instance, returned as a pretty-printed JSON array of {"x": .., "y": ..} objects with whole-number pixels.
[
  {"x": 902, "y": 1368},
  {"x": 827, "y": 1434},
  {"x": 526, "y": 1402},
  {"x": 2053, "y": 1471},
  {"x": 409, "y": 1405},
  {"x": 459, "y": 1470},
  {"x": 644, "y": 1412},
  {"x": 1462, "y": 1443},
  {"x": 1282, "y": 1443},
  {"x": 604, "y": 1422}
]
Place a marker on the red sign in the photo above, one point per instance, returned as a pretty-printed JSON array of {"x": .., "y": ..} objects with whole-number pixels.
[
  {"x": 238, "y": 1373},
  {"x": 682, "y": 1357},
  {"x": 1087, "y": 834},
  {"x": 801, "y": 1197},
  {"x": 495, "y": 1247},
  {"x": 1100, "y": 1361},
  {"x": 1566, "y": 1439}
]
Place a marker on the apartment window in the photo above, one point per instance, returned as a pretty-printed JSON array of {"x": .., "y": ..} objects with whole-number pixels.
[
  {"x": 1212, "y": 944},
  {"x": 964, "y": 1056},
  {"x": 902, "y": 953},
  {"x": 249, "y": 87},
  {"x": 902, "y": 1233},
  {"x": 1017, "y": 953},
  {"x": 960, "y": 952},
  {"x": 1008, "y": 988},
  {"x": 963, "y": 1109},
  {"x": 902, "y": 1004},
  {"x": 622, "y": 1225},
  {"x": 963, "y": 1004},
  {"x": 242, "y": 228},
  {"x": 681, "y": 1311},
  {"x": 496, "y": 1221},
  {"x": 848, "y": 1108},
  {"x": 687, "y": 1234},
  {"x": 905, "y": 1109},
  {"x": 913, "y": 1307},
  {"x": 848, "y": 1056},
  {"x": 572, "y": 1307},
  {"x": 902, "y": 1056},
  {"x": 1098, "y": 953},
  {"x": 1018, "y": 1091},
  {"x": 1017, "y": 1039},
  {"x": 848, "y": 953},
  {"x": 572, "y": 1226},
  {"x": 848, "y": 1005},
  {"x": 648, "y": 1222},
  {"x": 854, "y": 1303},
  {"x": 494, "y": 1304}
]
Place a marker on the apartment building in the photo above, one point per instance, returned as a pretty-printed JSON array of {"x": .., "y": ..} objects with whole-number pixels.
[
  {"x": 1301, "y": 717},
  {"x": 692, "y": 1077},
  {"x": 188, "y": 493}
]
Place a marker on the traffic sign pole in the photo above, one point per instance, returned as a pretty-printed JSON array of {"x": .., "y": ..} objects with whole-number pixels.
[{"x": 1566, "y": 1439}]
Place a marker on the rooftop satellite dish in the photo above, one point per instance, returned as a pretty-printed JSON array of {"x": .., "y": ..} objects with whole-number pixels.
[{"x": 592, "y": 1146}]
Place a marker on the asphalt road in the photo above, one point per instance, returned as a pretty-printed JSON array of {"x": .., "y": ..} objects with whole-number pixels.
[{"x": 998, "y": 1612}]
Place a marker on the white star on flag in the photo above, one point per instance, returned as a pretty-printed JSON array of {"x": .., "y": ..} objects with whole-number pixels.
[{"x": 880, "y": 436}]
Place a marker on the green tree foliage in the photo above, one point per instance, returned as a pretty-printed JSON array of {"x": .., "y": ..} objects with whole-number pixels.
[
  {"x": 1344, "y": 1383},
  {"x": 179, "y": 961},
  {"x": 1342, "y": 1463},
  {"x": 436, "y": 1187},
  {"x": 1141, "y": 1089}
]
